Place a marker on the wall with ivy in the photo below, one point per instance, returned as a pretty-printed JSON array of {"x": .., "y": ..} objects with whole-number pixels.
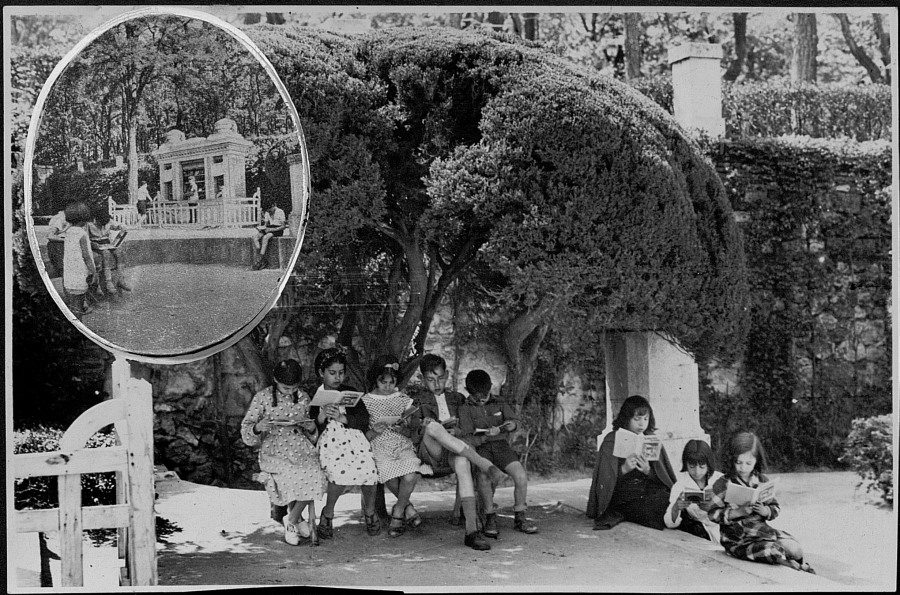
[{"x": 815, "y": 215}]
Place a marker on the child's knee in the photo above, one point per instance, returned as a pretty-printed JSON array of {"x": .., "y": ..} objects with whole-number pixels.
[
  {"x": 517, "y": 471},
  {"x": 791, "y": 548}
]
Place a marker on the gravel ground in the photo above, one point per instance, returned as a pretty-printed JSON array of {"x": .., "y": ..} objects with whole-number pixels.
[{"x": 176, "y": 308}]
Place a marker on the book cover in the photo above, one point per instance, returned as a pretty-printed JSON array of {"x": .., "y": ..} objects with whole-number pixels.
[
  {"x": 739, "y": 495},
  {"x": 450, "y": 422},
  {"x": 344, "y": 398},
  {"x": 697, "y": 495},
  {"x": 628, "y": 443}
]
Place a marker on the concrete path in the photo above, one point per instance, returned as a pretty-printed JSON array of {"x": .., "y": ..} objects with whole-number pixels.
[{"x": 226, "y": 538}]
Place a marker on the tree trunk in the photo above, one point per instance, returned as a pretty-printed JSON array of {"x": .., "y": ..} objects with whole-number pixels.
[
  {"x": 132, "y": 161},
  {"x": 859, "y": 53},
  {"x": 740, "y": 46},
  {"x": 633, "y": 36},
  {"x": 884, "y": 45},
  {"x": 805, "y": 48},
  {"x": 530, "y": 25},
  {"x": 522, "y": 340}
]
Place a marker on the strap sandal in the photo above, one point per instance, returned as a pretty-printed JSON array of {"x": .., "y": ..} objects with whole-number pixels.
[
  {"x": 397, "y": 526},
  {"x": 373, "y": 524},
  {"x": 412, "y": 519},
  {"x": 325, "y": 530}
]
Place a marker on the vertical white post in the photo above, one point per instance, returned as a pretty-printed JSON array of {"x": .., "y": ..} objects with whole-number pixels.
[
  {"x": 138, "y": 431},
  {"x": 697, "y": 87},
  {"x": 299, "y": 192},
  {"x": 70, "y": 532}
]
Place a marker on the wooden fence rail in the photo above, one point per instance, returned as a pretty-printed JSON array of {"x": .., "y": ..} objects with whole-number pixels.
[{"x": 132, "y": 415}]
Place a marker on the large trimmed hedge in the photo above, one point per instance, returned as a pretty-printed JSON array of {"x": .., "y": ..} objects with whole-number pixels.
[{"x": 489, "y": 137}]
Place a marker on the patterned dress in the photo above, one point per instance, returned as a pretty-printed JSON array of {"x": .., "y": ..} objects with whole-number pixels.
[
  {"x": 395, "y": 454},
  {"x": 344, "y": 451},
  {"x": 749, "y": 538},
  {"x": 288, "y": 461}
]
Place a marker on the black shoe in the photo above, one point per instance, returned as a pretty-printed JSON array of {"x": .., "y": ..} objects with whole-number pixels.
[
  {"x": 373, "y": 524},
  {"x": 522, "y": 524},
  {"x": 474, "y": 541},
  {"x": 490, "y": 526},
  {"x": 325, "y": 530}
]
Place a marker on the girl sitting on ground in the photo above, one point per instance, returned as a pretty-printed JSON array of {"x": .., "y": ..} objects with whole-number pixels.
[
  {"x": 746, "y": 533},
  {"x": 698, "y": 472},
  {"x": 278, "y": 420},
  {"x": 398, "y": 465},
  {"x": 344, "y": 451},
  {"x": 633, "y": 488}
]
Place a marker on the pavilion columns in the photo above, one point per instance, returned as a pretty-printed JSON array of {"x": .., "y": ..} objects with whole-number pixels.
[
  {"x": 646, "y": 363},
  {"x": 299, "y": 192}
]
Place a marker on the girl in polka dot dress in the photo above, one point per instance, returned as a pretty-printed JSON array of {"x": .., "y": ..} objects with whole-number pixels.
[
  {"x": 344, "y": 451},
  {"x": 278, "y": 422},
  {"x": 395, "y": 454}
]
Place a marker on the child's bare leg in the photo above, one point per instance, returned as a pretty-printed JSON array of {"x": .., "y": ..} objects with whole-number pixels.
[
  {"x": 437, "y": 437},
  {"x": 294, "y": 510},
  {"x": 332, "y": 493},
  {"x": 520, "y": 480},
  {"x": 405, "y": 489},
  {"x": 264, "y": 245}
]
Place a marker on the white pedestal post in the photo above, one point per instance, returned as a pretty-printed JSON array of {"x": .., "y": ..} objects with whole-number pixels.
[
  {"x": 647, "y": 364},
  {"x": 697, "y": 87}
]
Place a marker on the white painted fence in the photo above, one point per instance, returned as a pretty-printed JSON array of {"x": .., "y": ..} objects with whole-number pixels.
[
  {"x": 224, "y": 212},
  {"x": 132, "y": 461}
]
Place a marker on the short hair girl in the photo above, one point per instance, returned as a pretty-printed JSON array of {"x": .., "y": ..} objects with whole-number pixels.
[
  {"x": 344, "y": 451},
  {"x": 698, "y": 472},
  {"x": 633, "y": 488}
]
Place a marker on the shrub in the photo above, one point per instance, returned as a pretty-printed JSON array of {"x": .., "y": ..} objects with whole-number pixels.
[
  {"x": 869, "y": 452},
  {"x": 41, "y": 492},
  {"x": 776, "y": 108},
  {"x": 92, "y": 186}
]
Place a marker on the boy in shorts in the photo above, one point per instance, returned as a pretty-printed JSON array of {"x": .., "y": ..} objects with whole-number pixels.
[
  {"x": 440, "y": 447},
  {"x": 485, "y": 423}
]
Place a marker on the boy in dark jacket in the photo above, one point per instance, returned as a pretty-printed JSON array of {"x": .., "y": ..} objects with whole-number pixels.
[{"x": 485, "y": 423}]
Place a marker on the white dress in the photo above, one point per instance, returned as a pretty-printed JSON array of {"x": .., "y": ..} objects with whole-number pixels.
[
  {"x": 395, "y": 454},
  {"x": 287, "y": 459},
  {"x": 75, "y": 271}
]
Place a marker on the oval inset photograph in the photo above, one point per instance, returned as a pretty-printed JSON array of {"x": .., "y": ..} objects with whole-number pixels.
[{"x": 168, "y": 185}]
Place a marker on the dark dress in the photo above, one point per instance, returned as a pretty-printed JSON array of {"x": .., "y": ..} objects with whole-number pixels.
[{"x": 634, "y": 497}]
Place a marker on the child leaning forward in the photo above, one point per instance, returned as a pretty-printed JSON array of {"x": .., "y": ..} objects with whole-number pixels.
[{"x": 486, "y": 423}]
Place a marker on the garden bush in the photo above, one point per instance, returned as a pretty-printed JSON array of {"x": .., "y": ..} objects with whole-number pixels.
[
  {"x": 41, "y": 492},
  {"x": 92, "y": 186},
  {"x": 776, "y": 108},
  {"x": 869, "y": 451}
]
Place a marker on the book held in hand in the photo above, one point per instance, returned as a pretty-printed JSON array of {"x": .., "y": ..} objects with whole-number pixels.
[
  {"x": 450, "y": 422},
  {"x": 739, "y": 495},
  {"x": 697, "y": 495},
  {"x": 344, "y": 398},
  {"x": 628, "y": 443}
]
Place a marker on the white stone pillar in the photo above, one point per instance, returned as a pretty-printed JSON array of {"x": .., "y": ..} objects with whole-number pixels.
[
  {"x": 299, "y": 192},
  {"x": 647, "y": 364},
  {"x": 697, "y": 87}
]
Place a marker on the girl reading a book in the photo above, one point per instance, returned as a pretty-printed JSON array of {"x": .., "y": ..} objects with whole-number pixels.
[
  {"x": 631, "y": 488},
  {"x": 344, "y": 451},
  {"x": 278, "y": 421},
  {"x": 745, "y": 532},
  {"x": 393, "y": 421},
  {"x": 690, "y": 497}
]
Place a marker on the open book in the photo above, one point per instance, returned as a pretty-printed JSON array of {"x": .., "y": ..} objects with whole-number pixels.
[
  {"x": 739, "y": 495},
  {"x": 392, "y": 420},
  {"x": 116, "y": 237},
  {"x": 450, "y": 422},
  {"x": 344, "y": 398},
  {"x": 697, "y": 495},
  {"x": 628, "y": 443}
]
